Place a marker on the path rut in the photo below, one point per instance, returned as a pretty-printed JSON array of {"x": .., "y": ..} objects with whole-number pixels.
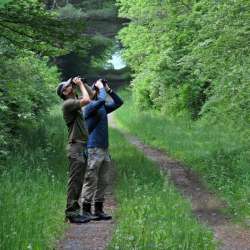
[{"x": 205, "y": 204}]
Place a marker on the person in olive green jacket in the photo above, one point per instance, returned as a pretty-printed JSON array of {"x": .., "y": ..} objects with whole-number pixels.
[{"x": 77, "y": 140}]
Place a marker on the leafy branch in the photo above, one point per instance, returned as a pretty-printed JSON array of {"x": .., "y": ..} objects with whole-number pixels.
[{"x": 26, "y": 24}]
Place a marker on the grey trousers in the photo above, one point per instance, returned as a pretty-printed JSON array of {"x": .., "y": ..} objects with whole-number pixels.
[{"x": 97, "y": 175}]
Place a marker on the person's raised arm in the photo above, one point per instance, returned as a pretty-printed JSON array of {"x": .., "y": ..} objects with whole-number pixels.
[
  {"x": 85, "y": 96},
  {"x": 96, "y": 104},
  {"x": 116, "y": 100}
]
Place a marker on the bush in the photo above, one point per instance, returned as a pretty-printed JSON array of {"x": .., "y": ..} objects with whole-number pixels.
[
  {"x": 189, "y": 57},
  {"x": 27, "y": 91}
]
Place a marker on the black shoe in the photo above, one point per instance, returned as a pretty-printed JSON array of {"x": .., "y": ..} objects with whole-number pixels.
[
  {"x": 90, "y": 216},
  {"x": 102, "y": 216},
  {"x": 99, "y": 212},
  {"x": 78, "y": 219},
  {"x": 86, "y": 211}
]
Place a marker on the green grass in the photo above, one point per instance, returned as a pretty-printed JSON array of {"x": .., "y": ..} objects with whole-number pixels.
[
  {"x": 218, "y": 152},
  {"x": 33, "y": 188},
  {"x": 151, "y": 213}
]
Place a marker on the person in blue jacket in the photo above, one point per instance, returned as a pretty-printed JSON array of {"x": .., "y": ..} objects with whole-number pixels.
[
  {"x": 97, "y": 101},
  {"x": 99, "y": 162}
]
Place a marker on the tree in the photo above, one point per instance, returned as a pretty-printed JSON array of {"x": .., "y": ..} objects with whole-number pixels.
[
  {"x": 28, "y": 25},
  {"x": 189, "y": 56}
]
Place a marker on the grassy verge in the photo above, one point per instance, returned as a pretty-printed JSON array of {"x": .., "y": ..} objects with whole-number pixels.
[
  {"x": 220, "y": 153},
  {"x": 32, "y": 194},
  {"x": 151, "y": 214}
]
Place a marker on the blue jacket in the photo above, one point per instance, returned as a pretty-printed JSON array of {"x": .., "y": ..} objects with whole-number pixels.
[
  {"x": 98, "y": 137},
  {"x": 90, "y": 111}
]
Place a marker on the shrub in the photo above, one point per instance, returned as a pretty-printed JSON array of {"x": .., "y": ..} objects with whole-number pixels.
[{"x": 27, "y": 91}]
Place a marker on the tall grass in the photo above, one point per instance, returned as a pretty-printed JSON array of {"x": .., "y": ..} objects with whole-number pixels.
[
  {"x": 151, "y": 214},
  {"x": 32, "y": 193},
  {"x": 219, "y": 152}
]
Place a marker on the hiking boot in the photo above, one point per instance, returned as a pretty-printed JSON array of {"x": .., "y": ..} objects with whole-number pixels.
[
  {"x": 99, "y": 212},
  {"x": 86, "y": 211},
  {"x": 78, "y": 219}
]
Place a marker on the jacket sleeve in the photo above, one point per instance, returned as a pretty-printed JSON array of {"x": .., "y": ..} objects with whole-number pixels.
[
  {"x": 115, "y": 103},
  {"x": 95, "y": 104}
]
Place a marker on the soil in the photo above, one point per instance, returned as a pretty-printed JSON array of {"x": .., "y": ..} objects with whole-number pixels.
[{"x": 206, "y": 206}]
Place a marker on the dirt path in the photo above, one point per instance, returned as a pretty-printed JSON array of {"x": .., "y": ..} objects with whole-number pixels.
[
  {"x": 93, "y": 235},
  {"x": 205, "y": 205}
]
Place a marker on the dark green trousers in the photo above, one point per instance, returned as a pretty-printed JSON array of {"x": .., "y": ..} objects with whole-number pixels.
[{"x": 77, "y": 168}]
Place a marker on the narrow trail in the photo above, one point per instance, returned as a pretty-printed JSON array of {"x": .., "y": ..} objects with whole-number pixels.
[
  {"x": 205, "y": 205},
  {"x": 94, "y": 235}
]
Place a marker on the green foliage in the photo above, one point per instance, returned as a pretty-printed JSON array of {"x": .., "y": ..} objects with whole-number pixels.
[
  {"x": 95, "y": 4},
  {"x": 32, "y": 197},
  {"x": 27, "y": 24},
  {"x": 191, "y": 58},
  {"x": 3, "y": 2},
  {"x": 27, "y": 85},
  {"x": 70, "y": 12},
  {"x": 151, "y": 214},
  {"x": 219, "y": 153},
  {"x": 99, "y": 19},
  {"x": 189, "y": 55},
  {"x": 27, "y": 91}
]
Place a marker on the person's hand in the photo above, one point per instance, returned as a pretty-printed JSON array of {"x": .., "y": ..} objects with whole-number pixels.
[
  {"x": 77, "y": 80},
  {"x": 107, "y": 88},
  {"x": 99, "y": 84}
]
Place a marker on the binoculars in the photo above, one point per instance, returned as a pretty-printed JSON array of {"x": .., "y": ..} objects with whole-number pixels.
[
  {"x": 82, "y": 79},
  {"x": 104, "y": 82}
]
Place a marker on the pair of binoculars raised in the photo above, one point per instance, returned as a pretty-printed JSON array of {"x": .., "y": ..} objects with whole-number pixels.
[
  {"x": 81, "y": 78},
  {"x": 104, "y": 82}
]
